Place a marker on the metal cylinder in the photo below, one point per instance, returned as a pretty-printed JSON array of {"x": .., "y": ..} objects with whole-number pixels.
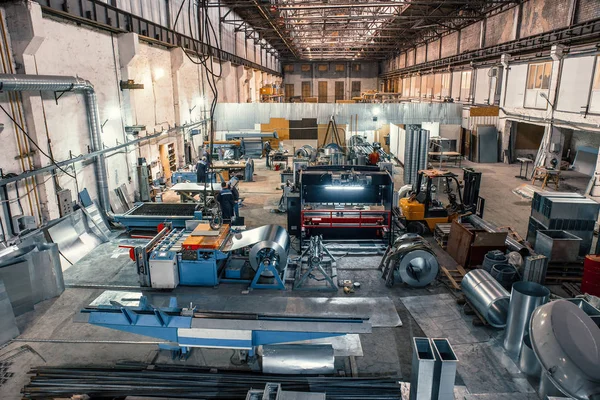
[
  {"x": 487, "y": 296},
  {"x": 298, "y": 359},
  {"x": 525, "y": 297},
  {"x": 528, "y": 362},
  {"x": 408, "y": 157},
  {"x": 492, "y": 258},
  {"x": 505, "y": 274}
]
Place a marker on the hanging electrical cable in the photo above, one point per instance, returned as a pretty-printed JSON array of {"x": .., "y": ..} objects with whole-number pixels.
[{"x": 33, "y": 141}]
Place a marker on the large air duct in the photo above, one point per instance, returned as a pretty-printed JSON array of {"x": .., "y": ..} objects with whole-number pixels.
[{"x": 48, "y": 83}]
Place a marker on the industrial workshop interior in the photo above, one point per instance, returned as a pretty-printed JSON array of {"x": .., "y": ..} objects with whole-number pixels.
[{"x": 300, "y": 199}]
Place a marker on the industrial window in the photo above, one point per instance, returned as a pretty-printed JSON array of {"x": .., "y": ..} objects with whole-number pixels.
[
  {"x": 538, "y": 83},
  {"x": 322, "y": 91},
  {"x": 306, "y": 90},
  {"x": 339, "y": 90},
  {"x": 406, "y": 87},
  {"x": 355, "y": 89},
  {"x": 595, "y": 95},
  {"x": 356, "y": 67},
  {"x": 288, "y": 68},
  {"x": 339, "y": 67},
  {"x": 446, "y": 79},
  {"x": 289, "y": 91},
  {"x": 465, "y": 86},
  {"x": 429, "y": 86},
  {"x": 323, "y": 67},
  {"x": 415, "y": 86},
  {"x": 305, "y": 68}
]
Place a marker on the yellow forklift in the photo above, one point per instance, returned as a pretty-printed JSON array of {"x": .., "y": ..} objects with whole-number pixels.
[{"x": 424, "y": 209}]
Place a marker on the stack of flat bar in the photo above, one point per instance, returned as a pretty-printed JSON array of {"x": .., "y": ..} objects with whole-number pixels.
[
  {"x": 194, "y": 383},
  {"x": 165, "y": 209}
]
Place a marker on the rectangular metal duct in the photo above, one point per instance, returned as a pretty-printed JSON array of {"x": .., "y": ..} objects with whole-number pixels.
[
  {"x": 444, "y": 373},
  {"x": 423, "y": 365}
]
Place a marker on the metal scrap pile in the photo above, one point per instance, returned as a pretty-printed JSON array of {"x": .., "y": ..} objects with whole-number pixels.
[{"x": 193, "y": 383}]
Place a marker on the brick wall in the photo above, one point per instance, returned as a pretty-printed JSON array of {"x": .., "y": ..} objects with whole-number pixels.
[
  {"x": 449, "y": 43},
  {"x": 543, "y": 15},
  {"x": 499, "y": 28},
  {"x": 421, "y": 52},
  {"x": 433, "y": 50},
  {"x": 402, "y": 60},
  {"x": 469, "y": 37},
  {"x": 587, "y": 9}
]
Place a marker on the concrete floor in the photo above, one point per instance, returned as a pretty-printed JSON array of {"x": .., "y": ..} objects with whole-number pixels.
[{"x": 483, "y": 369}]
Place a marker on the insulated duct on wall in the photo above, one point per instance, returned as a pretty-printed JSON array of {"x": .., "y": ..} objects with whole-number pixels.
[
  {"x": 48, "y": 83},
  {"x": 416, "y": 151}
]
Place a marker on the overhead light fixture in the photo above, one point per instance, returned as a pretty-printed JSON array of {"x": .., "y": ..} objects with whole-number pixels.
[{"x": 339, "y": 187}]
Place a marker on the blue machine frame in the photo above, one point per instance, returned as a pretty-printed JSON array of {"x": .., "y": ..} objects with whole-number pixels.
[{"x": 186, "y": 329}]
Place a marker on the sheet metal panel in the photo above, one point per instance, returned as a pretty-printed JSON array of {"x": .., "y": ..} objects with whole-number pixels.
[
  {"x": 247, "y": 115},
  {"x": 8, "y": 323},
  {"x": 298, "y": 359}
]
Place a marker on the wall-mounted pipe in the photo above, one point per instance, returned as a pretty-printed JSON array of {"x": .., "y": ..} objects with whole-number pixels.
[{"x": 48, "y": 83}]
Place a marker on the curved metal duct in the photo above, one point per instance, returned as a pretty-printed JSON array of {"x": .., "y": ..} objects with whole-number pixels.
[
  {"x": 49, "y": 83},
  {"x": 487, "y": 296}
]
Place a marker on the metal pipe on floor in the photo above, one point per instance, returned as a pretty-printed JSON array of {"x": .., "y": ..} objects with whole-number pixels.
[
  {"x": 487, "y": 296},
  {"x": 528, "y": 362},
  {"x": 525, "y": 297},
  {"x": 511, "y": 243}
]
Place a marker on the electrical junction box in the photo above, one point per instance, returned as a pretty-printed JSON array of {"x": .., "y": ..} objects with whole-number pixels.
[
  {"x": 65, "y": 202},
  {"x": 23, "y": 223},
  {"x": 164, "y": 273}
]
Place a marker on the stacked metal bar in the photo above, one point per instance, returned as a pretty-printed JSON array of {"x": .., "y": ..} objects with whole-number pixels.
[
  {"x": 570, "y": 212},
  {"x": 190, "y": 383}
]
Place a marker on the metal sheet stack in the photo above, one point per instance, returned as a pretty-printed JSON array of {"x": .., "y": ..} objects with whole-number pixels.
[
  {"x": 416, "y": 152},
  {"x": 570, "y": 212}
]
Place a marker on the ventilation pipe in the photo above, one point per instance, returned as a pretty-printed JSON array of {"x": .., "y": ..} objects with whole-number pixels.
[{"x": 47, "y": 83}]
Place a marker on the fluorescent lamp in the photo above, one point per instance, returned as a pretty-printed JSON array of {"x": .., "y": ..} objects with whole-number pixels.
[{"x": 344, "y": 187}]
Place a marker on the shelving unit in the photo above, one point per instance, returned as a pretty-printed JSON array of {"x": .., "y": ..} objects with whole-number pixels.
[{"x": 171, "y": 156}]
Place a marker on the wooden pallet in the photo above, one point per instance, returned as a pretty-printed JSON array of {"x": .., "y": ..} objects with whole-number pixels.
[
  {"x": 468, "y": 308},
  {"x": 572, "y": 289},
  {"x": 454, "y": 276},
  {"x": 441, "y": 234}
]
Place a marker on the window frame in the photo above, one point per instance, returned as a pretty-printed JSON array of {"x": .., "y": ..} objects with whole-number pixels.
[{"x": 534, "y": 79}]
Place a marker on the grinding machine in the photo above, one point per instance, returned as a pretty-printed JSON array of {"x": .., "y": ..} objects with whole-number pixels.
[{"x": 206, "y": 257}]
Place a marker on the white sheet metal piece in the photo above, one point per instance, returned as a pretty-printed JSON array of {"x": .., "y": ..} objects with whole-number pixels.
[{"x": 247, "y": 115}]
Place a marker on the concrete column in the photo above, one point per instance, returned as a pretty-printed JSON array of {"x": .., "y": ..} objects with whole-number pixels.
[
  {"x": 128, "y": 44},
  {"x": 258, "y": 76},
  {"x": 506, "y": 129},
  {"x": 555, "y": 136},
  {"x": 25, "y": 25},
  {"x": 178, "y": 59},
  {"x": 226, "y": 84}
]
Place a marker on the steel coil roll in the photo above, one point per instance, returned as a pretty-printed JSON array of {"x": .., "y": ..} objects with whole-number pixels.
[
  {"x": 414, "y": 260},
  {"x": 487, "y": 296}
]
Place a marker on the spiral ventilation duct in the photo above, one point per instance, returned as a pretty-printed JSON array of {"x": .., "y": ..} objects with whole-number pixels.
[{"x": 48, "y": 83}]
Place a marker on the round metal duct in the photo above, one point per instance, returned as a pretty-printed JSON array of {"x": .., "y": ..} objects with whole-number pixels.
[
  {"x": 487, "y": 296},
  {"x": 567, "y": 343}
]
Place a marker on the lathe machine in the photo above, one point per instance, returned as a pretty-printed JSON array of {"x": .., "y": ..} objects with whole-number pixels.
[{"x": 205, "y": 257}]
